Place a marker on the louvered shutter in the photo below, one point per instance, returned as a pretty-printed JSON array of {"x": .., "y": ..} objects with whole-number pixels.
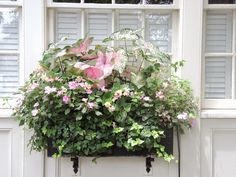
[
  {"x": 9, "y": 41},
  {"x": 9, "y": 74},
  {"x": 158, "y": 29},
  {"x": 68, "y": 24},
  {"x": 218, "y": 78},
  {"x": 219, "y": 32},
  {"x": 98, "y": 25},
  {"x": 218, "y": 69}
]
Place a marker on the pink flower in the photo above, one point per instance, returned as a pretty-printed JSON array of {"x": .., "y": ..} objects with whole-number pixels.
[
  {"x": 103, "y": 89},
  {"x": 49, "y": 90},
  {"x": 160, "y": 95},
  {"x": 89, "y": 91},
  {"x": 32, "y": 87},
  {"x": 193, "y": 122},
  {"x": 182, "y": 116},
  {"x": 118, "y": 94},
  {"x": 66, "y": 99},
  {"x": 91, "y": 105},
  {"x": 73, "y": 85},
  {"x": 34, "y": 112}
]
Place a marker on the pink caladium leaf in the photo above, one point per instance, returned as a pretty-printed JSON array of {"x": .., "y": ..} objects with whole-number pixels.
[{"x": 94, "y": 73}]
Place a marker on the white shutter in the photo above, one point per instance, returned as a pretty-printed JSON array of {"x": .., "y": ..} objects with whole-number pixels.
[
  {"x": 8, "y": 29},
  {"x": 9, "y": 41},
  {"x": 9, "y": 74},
  {"x": 158, "y": 30},
  {"x": 219, "y": 32},
  {"x": 68, "y": 24},
  {"x": 98, "y": 25},
  {"x": 218, "y": 78},
  {"x": 130, "y": 20}
]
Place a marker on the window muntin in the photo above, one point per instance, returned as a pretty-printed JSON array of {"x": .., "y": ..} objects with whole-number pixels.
[{"x": 9, "y": 51}]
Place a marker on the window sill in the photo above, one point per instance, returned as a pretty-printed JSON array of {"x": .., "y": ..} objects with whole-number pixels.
[{"x": 218, "y": 114}]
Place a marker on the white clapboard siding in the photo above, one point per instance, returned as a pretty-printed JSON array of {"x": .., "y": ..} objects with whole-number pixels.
[
  {"x": 9, "y": 74},
  {"x": 158, "y": 30},
  {"x": 9, "y": 37},
  {"x": 68, "y": 24},
  {"x": 218, "y": 78},
  {"x": 98, "y": 25},
  {"x": 219, "y": 32}
]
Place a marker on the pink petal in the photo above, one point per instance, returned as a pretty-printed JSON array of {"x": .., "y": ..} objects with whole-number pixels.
[{"x": 81, "y": 65}]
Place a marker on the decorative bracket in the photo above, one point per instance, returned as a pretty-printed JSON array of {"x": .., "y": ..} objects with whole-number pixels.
[
  {"x": 75, "y": 161},
  {"x": 149, "y": 161}
]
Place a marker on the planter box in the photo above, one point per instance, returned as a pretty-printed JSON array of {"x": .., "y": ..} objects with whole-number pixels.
[{"x": 115, "y": 151}]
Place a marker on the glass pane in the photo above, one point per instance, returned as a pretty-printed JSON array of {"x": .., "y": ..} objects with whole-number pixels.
[
  {"x": 9, "y": 35},
  {"x": 98, "y": 1},
  {"x": 72, "y": 1},
  {"x": 68, "y": 24},
  {"x": 219, "y": 31},
  {"x": 221, "y": 1},
  {"x": 129, "y": 1},
  {"x": 9, "y": 74},
  {"x": 158, "y": 30},
  {"x": 159, "y": 1},
  {"x": 218, "y": 78}
]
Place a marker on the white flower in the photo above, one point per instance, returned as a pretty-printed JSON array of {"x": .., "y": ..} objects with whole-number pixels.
[
  {"x": 183, "y": 116},
  {"x": 34, "y": 112},
  {"x": 36, "y": 104}
]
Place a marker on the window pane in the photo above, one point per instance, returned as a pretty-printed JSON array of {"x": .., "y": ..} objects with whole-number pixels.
[
  {"x": 129, "y": 1},
  {"x": 221, "y": 1},
  {"x": 98, "y": 1},
  {"x": 9, "y": 74},
  {"x": 158, "y": 30},
  {"x": 72, "y": 1},
  {"x": 8, "y": 29},
  {"x": 159, "y": 1},
  {"x": 219, "y": 32},
  {"x": 98, "y": 25},
  {"x": 218, "y": 78},
  {"x": 68, "y": 25}
]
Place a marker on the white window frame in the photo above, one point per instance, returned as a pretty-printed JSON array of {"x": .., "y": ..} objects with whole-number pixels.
[
  {"x": 220, "y": 103},
  {"x": 4, "y": 109}
]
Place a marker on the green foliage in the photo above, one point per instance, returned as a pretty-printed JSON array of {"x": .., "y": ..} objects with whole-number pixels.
[{"x": 63, "y": 103}]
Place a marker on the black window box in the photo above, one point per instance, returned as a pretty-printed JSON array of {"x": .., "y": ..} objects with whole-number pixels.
[{"x": 116, "y": 151}]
